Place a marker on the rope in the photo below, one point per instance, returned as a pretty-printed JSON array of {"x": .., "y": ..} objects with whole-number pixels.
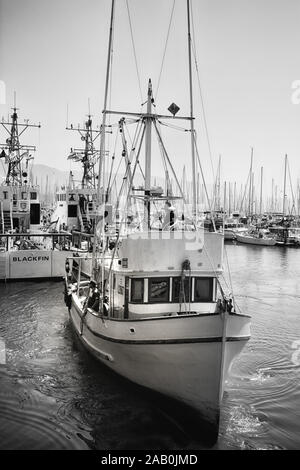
[
  {"x": 229, "y": 274},
  {"x": 204, "y": 183},
  {"x": 132, "y": 146},
  {"x": 291, "y": 186},
  {"x": 165, "y": 169},
  {"x": 168, "y": 159},
  {"x": 200, "y": 91},
  {"x": 127, "y": 170},
  {"x": 134, "y": 51},
  {"x": 127, "y": 198},
  {"x": 178, "y": 128},
  {"x": 165, "y": 50},
  {"x": 112, "y": 165}
]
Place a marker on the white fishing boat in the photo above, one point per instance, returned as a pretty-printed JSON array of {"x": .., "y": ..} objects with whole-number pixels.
[
  {"x": 154, "y": 310},
  {"x": 27, "y": 251},
  {"x": 255, "y": 239},
  {"x": 33, "y": 255},
  {"x": 19, "y": 197},
  {"x": 76, "y": 202}
]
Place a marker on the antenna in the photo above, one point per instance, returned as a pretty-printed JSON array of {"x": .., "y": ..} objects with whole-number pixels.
[
  {"x": 12, "y": 150},
  {"x": 67, "y": 123}
]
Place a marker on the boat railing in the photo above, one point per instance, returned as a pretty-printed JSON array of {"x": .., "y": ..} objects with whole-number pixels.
[{"x": 38, "y": 241}]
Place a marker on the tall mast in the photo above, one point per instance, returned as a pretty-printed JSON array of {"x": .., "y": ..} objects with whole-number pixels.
[
  {"x": 234, "y": 196},
  {"x": 252, "y": 194},
  {"x": 194, "y": 200},
  {"x": 261, "y": 186},
  {"x": 217, "y": 187},
  {"x": 284, "y": 186},
  {"x": 102, "y": 142},
  {"x": 148, "y": 127},
  {"x": 272, "y": 200},
  {"x": 250, "y": 183}
]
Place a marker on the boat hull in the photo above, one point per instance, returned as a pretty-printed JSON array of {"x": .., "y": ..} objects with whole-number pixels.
[
  {"x": 256, "y": 241},
  {"x": 173, "y": 362},
  {"x": 32, "y": 264}
]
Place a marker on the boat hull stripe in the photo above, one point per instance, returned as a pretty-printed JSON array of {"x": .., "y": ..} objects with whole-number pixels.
[{"x": 213, "y": 339}]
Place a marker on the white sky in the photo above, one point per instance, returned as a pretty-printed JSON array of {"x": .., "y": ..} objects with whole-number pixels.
[{"x": 54, "y": 52}]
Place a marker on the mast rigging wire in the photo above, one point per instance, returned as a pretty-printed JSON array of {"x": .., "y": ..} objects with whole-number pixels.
[
  {"x": 204, "y": 183},
  {"x": 134, "y": 51},
  {"x": 193, "y": 42},
  {"x": 165, "y": 50}
]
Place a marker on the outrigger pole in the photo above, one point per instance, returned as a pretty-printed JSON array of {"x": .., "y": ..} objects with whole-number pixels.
[{"x": 102, "y": 141}]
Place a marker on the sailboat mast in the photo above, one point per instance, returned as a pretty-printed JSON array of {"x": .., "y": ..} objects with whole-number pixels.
[
  {"x": 284, "y": 186},
  {"x": 261, "y": 188},
  {"x": 250, "y": 183},
  {"x": 234, "y": 196},
  {"x": 148, "y": 127},
  {"x": 102, "y": 142},
  {"x": 194, "y": 196}
]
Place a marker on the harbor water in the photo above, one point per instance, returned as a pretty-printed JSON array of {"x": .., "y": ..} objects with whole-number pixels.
[{"x": 54, "y": 395}]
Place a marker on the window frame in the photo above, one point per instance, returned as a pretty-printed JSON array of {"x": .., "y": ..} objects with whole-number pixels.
[
  {"x": 173, "y": 299},
  {"x": 157, "y": 279},
  {"x": 211, "y": 289},
  {"x": 132, "y": 281},
  {"x": 72, "y": 207}
]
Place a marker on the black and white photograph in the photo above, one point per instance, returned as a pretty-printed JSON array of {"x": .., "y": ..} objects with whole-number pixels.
[{"x": 149, "y": 228}]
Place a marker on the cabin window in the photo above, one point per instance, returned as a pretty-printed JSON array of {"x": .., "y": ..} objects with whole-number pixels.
[
  {"x": 5, "y": 194},
  {"x": 33, "y": 196},
  {"x": 72, "y": 210},
  {"x": 24, "y": 195},
  {"x": 159, "y": 290},
  {"x": 203, "y": 289},
  {"x": 137, "y": 290},
  {"x": 182, "y": 289}
]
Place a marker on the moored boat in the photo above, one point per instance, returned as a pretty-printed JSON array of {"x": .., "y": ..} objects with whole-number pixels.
[
  {"x": 163, "y": 326},
  {"x": 252, "y": 239},
  {"x": 154, "y": 309}
]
